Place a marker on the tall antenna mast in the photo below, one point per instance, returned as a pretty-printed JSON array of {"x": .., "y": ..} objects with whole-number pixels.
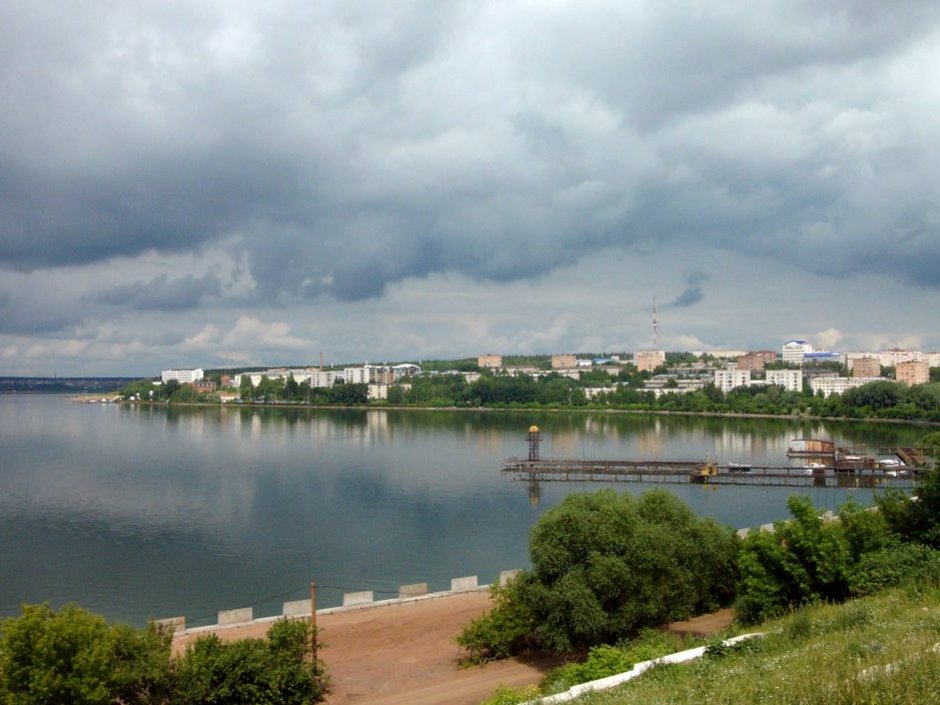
[{"x": 655, "y": 324}]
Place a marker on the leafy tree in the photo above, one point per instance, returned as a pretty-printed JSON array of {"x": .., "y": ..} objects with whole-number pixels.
[
  {"x": 349, "y": 394},
  {"x": 278, "y": 670},
  {"x": 809, "y": 559},
  {"x": 915, "y": 520},
  {"x": 73, "y": 656},
  {"x": 246, "y": 390},
  {"x": 607, "y": 564}
]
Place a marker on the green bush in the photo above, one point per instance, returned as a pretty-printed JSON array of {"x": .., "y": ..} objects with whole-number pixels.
[
  {"x": 604, "y": 566},
  {"x": 512, "y": 696},
  {"x": 915, "y": 520},
  {"x": 602, "y": 661},
  {"x": 502, "y": 631},
  {"x": 278, "y": 670},
  {"x": 73, "y": 656},
  {"x": 804, "y": 560},
  {"x": 893, "y": 566}
]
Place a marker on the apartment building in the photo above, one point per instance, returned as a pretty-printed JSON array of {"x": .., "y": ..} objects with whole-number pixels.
[
  {"x": 791, "y": 380},
  {"x": 913, "y": 372},
  {"x": 649, "y": 360},
  {"x": 491, "y": 362},
  {"x": 564, "y": 362},
  {"x": 865, "y": 367},
  {"x": 728, "y": 379}
]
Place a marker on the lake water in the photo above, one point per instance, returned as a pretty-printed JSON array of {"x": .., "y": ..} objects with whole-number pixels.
[{"x": 155, "y": 512}]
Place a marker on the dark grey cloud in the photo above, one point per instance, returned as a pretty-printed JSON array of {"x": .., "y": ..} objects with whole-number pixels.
[
  {"x": 692, "y": 293},
  {"x": 33, "y": 313},
  {"x": 162, "y": 293},
  {"x": 336, "y": 150}
]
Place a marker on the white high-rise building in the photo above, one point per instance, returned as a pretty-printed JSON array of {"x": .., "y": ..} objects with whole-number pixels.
[{"x": 794, "y": 350}]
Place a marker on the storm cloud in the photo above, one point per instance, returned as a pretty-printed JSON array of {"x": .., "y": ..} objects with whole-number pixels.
[
  {"x": 330, "y": 151},
  {"x": 163, "y": 294},
  {"x": 692, "y": 293}
]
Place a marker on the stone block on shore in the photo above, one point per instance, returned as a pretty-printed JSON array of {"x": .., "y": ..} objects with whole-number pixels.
[
  {"x": 507, "y": 575},
  {"x": 177, "y": 624},
  {"x": 413, "y": 590},
  {"x": 239, "y": 616},
  {"x": 297, "y": 608},
  {"x": 467, "y": 583},
  {"x": 358, "y": 598}
]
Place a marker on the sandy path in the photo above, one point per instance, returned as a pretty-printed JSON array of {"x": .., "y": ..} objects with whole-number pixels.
[{"x": 406, "y": 653}]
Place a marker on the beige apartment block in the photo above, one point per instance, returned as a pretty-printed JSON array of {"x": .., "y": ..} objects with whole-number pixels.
[
  {"x": 914, "y": 372},
  {"x": 564, "y": 362},
  {"x": 752, "y": 361},
  {"x": 493, "y": 362},
  {"x": 648, "y": 360},
  {"x": 866, "y": 367}
]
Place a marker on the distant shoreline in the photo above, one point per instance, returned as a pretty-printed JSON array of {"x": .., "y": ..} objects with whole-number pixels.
[{"x": 558, "y": 409}]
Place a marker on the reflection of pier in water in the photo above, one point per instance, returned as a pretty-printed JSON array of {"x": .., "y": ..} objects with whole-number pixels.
[{"x": 684, "y": 472}]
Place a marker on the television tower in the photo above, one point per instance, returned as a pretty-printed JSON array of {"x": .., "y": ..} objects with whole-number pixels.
[{"x": 655, "y": 324}]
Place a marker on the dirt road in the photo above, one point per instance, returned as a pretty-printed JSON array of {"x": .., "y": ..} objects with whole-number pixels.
[{"x": 406, "y": 653}]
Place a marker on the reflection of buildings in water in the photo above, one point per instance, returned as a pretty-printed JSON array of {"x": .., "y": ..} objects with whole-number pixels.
[
  {"x": 490, "y": 441},
  {"x": 565, "y": 444},
  {"x": 377, "y": 422},
  {"x": 592, "y": 427},
  {"x": 649, "y": 442},
  {"x": 730, "y": 445}
]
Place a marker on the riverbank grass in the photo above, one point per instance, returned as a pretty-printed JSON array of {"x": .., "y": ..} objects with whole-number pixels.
[{"x": 881, "y": 649}]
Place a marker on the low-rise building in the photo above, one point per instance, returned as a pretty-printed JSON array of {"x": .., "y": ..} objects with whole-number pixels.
[
  {"x": 183, "y": 376},
  {"x": 594, "y": 392},
  {"x": 838, "y": 385},
  {"x": 378, "y": 391},
  {"x": 671, "y": 383}
]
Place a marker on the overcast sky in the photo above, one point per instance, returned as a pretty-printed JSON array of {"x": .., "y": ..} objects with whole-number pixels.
[{"x": 222, "y": 183}]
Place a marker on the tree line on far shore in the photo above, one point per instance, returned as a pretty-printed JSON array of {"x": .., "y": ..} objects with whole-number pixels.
[{"x": 879, "y": 400}]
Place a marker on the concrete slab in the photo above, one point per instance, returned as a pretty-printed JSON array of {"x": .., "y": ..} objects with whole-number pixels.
[
  {"x": 467, "y": 583},
  {"x": 412, "y": 590},
  {"x": 243, "y": 614},
  {"x": 358, "y": 598},
  {"x": 297, "y": 608}
]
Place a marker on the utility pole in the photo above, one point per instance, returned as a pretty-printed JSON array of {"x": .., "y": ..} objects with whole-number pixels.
[{"x": 313, "y": 619}]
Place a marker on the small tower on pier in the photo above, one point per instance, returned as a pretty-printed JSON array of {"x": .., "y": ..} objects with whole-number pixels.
[{"x": 535, "y": 438}]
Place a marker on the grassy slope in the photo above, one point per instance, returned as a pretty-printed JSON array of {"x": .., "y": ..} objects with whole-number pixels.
[{"x": 875, "y": 650}]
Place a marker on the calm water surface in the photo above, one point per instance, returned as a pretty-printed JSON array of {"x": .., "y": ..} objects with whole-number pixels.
[{"x": 155, "y": 512}]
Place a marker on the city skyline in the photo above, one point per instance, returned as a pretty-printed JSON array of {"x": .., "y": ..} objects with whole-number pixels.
[{"x": 224, "y": 184}]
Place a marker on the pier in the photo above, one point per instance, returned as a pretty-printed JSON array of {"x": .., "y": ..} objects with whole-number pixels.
[{"x": 703, "y": 472}]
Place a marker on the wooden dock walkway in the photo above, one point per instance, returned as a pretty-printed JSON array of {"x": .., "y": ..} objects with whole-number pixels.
[{"x": 703, "y": 472}]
